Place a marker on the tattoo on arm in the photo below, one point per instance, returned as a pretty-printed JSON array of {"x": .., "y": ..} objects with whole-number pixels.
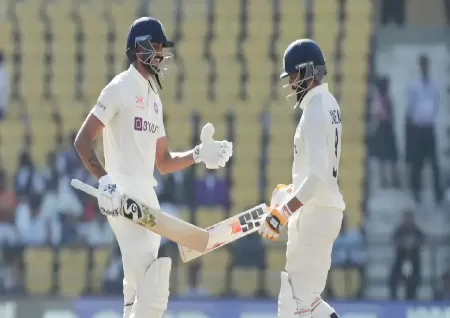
[
  {"x": 93, "y": 164},
  {"x": 93, "y": 159}
]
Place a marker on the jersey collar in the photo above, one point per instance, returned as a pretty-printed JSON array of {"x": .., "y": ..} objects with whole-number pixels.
[
  {"x": 137, "y": 76},
  {"x": 313, "y": 92}
]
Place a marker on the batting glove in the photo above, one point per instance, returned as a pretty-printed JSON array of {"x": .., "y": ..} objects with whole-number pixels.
[
  {"x": 274, "y": 221},
  {"x": 214, "y": 154},
  {"x": 109, "y": 199},
  {"x": 277, "y": 218}
]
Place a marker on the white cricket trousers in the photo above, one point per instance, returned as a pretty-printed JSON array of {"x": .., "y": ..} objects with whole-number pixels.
[
  {"x": 138, "y": 246},
  {"x": 311, "y": 234}
]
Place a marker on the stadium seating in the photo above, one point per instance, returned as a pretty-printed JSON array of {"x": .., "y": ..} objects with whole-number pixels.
[
  {"x": 276, "y": 259},
  {"x": 100, "y": 263},
  {"x": 345, "y": 283},
  {"x": 353, "y": 104},
  {"x": 38, "y": 270},
  {"x": 213, "y": 274},
  {"x": 72, "y": 278},
  {"x": 69, "y": 49}
]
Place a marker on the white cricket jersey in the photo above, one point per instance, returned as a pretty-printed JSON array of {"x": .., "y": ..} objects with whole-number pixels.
[
  {"x": 317, "y": 150},
  {"x": 131, "y": 111}
]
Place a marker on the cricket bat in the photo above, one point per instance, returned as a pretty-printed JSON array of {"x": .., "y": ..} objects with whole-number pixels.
[
  {"x": 227, "y": 231},
  {"x": 175, "y": 229}
]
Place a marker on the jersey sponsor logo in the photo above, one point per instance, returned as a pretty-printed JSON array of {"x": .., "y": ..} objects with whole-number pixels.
[
  {"x": 132, "y": 210},
  {"x": 140, "y": 102},
  {"x": 143, "y": 125}
]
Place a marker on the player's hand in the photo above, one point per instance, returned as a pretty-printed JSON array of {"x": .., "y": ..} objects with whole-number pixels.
[
  {"x": 274, "y": 221},
  {"x": 279, "y": 214},
  {"x": 214, "y": 154},
  {"x": 109, "y": 200}
]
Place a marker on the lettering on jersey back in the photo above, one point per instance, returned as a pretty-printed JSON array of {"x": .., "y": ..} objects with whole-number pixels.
[
  {"x": 335, "y": 116},
  {"x": 141, "y": 124}
]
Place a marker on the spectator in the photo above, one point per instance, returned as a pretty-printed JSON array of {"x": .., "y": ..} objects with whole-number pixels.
[
  {"x": 96, "y": 232},
  {"x": 447, "y": 10},
  {"x": 349, "y": 253},
  {"x": 393, "y": 10},
  {"x": 4, "y": 88},
  {"x": 194, "y": 290},
  {"x": 33, "y": 228},
  {"x": 422, "y": 111},
  {"x": 113, "y": 276},
  {"x": 212, "y": 191},
  {"x": 7, "y": 206},
  {"x": 67, "y": 159},
  {"x": 24, "y": 179},
  {"x": 176, "y": 188},
  {"x": 443, "y": 293},
  {"x": 349, "y": 248},
  {"x": 408, "y": 239},
  {"x": 384, "y": 141}
]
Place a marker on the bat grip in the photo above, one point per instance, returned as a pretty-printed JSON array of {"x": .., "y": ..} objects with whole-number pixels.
[{"x": 86, "y": 188}]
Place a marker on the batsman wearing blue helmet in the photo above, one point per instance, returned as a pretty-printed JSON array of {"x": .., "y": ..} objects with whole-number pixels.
[
  {"x": 312, "y": 206},
  {"x": 129, "y": 112}
]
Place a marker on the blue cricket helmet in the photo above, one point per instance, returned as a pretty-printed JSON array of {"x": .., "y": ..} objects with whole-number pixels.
[
  {"x": 304, "y": 58},
  {"x": 143, "y": 32},
  {"x": 301, "y": 53},
  {"x": 145, "y": 29}
]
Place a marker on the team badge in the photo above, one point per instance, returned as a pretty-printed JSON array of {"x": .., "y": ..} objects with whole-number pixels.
[{"x": 155, "y": 105}]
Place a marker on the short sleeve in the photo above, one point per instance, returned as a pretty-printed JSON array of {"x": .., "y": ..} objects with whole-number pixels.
[{"x": 108, "y": 104}]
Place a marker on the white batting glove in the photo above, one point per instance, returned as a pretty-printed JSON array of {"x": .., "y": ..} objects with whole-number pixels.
[
  {"x": 109, "y": 200},
  {"x": 214, "y": 154},
  {"x": 279, "y": 214}
]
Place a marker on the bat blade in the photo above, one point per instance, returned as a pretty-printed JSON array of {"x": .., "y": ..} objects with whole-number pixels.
[
  {"x": 227, "y": 231},
  {"x": 173, "y": 228}
]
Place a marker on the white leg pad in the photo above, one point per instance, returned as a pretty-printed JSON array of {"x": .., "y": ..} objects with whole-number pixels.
[
  {"x": 286, "y": 303},
  {"x": 153, "y": 291},
  {"x": 322, "y": 310},
  {"x": 287, "y": 306},
  {"x": 127, "y": 311}
]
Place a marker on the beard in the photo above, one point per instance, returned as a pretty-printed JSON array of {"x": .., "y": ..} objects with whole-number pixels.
[{"x": 301, "y": 90}]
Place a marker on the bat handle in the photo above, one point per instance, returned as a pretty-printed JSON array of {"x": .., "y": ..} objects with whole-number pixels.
[{"x": 86, "y": 188}]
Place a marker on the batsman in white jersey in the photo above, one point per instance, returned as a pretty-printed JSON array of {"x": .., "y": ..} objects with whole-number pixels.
[
  {"x": 312, "y": 206},
  {"x": 130, "y": 114}
]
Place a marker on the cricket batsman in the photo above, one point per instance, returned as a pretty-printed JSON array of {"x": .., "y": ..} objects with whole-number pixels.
[
  {"x": 129, "y": 112},
  {"x": 312, "y": 206}
]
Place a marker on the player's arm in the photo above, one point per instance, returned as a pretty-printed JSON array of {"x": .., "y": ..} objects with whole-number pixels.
[
  {"x": 314, "y": 136},
  {"x": 84, "y": 144},
  {"x": 167, "y": 161},
  {"x": 104, "y": 110},
  {"x": 214, "y": 154}
]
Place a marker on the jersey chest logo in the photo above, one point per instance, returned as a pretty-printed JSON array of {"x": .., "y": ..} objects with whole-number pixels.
[
  {"x": 140, "y": 102},
  {"x": 140, "y": 124}
]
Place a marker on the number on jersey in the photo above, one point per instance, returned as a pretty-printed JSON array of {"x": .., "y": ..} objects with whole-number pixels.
[{"x": 336, "y": 144}]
